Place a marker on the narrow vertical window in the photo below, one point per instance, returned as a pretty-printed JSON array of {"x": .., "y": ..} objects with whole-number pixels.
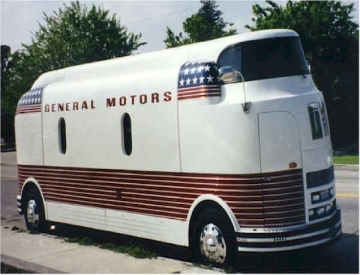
[
  {"x": 62, "y": 135},
  {"x": 315, "y": 121},
  {"x": 324, "y": 118},
  {"x": 127, "y": 139}
]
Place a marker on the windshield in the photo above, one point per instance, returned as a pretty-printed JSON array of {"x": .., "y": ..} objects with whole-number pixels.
[{"x": 267, "y": 58}]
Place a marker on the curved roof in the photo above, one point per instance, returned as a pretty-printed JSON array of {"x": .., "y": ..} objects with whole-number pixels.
[{"x": 158, "y": 60}]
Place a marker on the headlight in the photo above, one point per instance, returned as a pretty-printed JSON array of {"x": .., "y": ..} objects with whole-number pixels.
[
  {"x": 320, "y": 211},
  {"x": 322, "y": 195},
  {"x": 328, "y": 207},
  {"x": 315, "y": 197}
]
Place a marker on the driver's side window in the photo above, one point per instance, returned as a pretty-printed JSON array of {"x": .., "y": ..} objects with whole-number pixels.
[{"x": 231, "y": 57}]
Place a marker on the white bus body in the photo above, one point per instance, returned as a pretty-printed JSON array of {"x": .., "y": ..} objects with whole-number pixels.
[{"x": 160, "y": 146}]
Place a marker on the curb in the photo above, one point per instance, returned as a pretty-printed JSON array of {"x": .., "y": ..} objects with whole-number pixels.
[
  {"x": 27, "y": 266},
  {"x": 350, "y": 167}
]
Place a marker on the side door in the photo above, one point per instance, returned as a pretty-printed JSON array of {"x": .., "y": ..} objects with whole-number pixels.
[
  {"x": 279, "y": 142},
  {"x": 281, "y": 169}
]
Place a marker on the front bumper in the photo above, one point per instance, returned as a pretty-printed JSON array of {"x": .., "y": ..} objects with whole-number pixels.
[{"x": 310, "y": 235}]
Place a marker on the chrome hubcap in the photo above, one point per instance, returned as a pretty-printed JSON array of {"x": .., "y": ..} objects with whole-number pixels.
[
  {"x": 212, "y": 244},
  {"x": 32, "y": 214}
]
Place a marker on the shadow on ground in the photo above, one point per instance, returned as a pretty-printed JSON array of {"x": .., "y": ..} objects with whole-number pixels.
[
  {"x": 341, "y": 257},
  {"x": 323, "y": 259}
]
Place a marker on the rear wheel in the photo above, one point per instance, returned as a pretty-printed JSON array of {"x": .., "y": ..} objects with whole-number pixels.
[
  {"x": 213, "y": 239},
  {"x": 34, "y": 211}
]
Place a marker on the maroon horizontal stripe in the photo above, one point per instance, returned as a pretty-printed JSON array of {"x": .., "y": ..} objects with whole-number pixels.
[
  {"x": 197, "y": 92},
  {"x": 202, "y": 87},
  {"x": 199, "y": 95},
  {"x": 171, "y": 194},
  {"x": 201, "y": 90},
  {"x": 28, "y": 109}
]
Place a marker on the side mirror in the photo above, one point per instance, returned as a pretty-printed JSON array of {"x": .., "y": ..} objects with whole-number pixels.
[{"x": 228, "y": 75}]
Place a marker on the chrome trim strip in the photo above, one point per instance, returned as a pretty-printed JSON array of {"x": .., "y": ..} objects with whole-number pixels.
[
  {"x": 286, "y": 248},
  {"x": 292, "y": 238}
]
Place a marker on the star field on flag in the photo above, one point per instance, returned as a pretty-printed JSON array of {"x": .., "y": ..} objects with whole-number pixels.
[
  {"x": 30, "y": 102},
  {"x": 198, "y": 79}
]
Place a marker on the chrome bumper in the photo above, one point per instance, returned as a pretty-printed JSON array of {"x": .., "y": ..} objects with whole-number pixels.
[{"x": 311, "y": 235}]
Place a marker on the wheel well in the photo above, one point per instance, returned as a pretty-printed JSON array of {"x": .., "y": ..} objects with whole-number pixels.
[
  {"x": 200, "y": 208},
  {"x": 28, "y": 187}
]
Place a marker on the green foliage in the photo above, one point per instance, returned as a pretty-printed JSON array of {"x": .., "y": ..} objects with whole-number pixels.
[
  {"x": 76, "y": 35},
  {"x": 132, "y": 250},
  {"x": 331, "y": 43},
  {"x": 205, "y": 25},
  {"x": 5, "y": 54},
  {"x": 86, "y": 241},
  {"x": 73, "y": 35},
  {"x": 13, "y": 86},
  {"x": 346, "y": 159}
]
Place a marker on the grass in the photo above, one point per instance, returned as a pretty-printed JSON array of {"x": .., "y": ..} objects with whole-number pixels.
[
  {"x": 17, "y": 229},
  {"x": 132, "y": 250},
  {"x": 346, "y": 159},
  {"x": 82, "y": 241}
]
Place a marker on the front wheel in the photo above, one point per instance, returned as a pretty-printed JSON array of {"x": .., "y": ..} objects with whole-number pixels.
[
  {"x": 34, "y": 211},
  {"x": 213, "y": 238}
]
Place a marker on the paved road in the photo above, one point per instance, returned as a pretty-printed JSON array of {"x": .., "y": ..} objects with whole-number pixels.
[{"x": 341, "y": 257}]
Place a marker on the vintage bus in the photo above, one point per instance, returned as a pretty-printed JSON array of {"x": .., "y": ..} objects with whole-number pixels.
[{"x": 220, "y": 146}]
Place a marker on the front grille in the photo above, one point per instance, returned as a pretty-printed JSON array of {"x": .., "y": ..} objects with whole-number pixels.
[
  {"x": 283, "y": 199},
  {"x": 269, "y": 200}
]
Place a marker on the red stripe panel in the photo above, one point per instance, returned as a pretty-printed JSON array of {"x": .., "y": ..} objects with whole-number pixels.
[
  {"x": 201, "y": 91},
  {"x": 165, "y": 194},
  {"x": 28, "y": 109}
]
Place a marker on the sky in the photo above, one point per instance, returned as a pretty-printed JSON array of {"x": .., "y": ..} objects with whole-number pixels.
[{"x": 20, "y": 18}]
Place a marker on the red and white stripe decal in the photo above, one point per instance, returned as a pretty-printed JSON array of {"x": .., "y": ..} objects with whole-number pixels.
[
  {"x": 198, "y": 92},
  {"x": 170, "y": 195},
  {"x": 28, "y": 109}
]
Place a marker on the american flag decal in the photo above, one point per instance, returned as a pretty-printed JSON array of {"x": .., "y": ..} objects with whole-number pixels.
[
  {"x": 198, "y": 79},
  {"x": 30, "y": 102}
]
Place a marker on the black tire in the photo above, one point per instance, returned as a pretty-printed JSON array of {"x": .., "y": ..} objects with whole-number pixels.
[
  {"x": 213, "y": 239},
  {"x": 34, "y": 211}
]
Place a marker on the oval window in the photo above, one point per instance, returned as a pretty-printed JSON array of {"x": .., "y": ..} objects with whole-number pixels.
[
  {"x": 62, "y": 135},
  {"x": 127, "y": 138}
]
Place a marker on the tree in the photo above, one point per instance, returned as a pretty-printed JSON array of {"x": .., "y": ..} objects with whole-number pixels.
[
  {"x": 5, "y": 55},
  {"x": 6, "y": 125},
  {"x": 76, "y": 35},
  {"x": 205, "y": 25},
  {"x": 73, "y": 35},
  {"x": 331, "y": 43}
]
